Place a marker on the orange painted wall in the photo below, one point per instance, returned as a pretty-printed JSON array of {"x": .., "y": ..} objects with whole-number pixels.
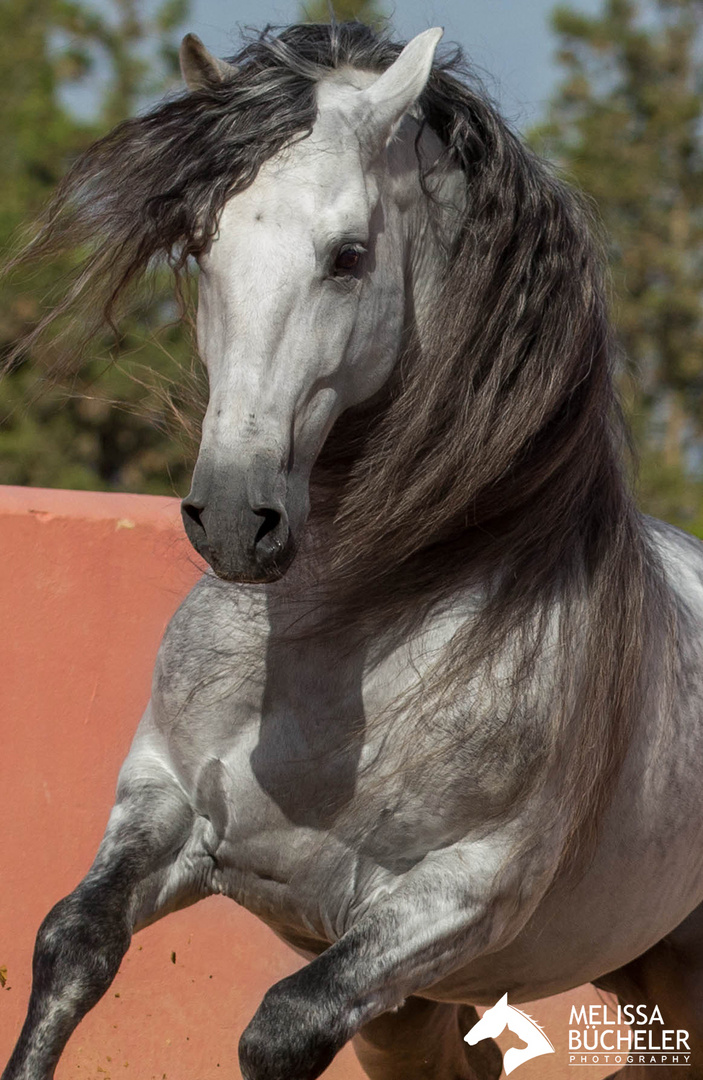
[{"x": 87, "y": 584}]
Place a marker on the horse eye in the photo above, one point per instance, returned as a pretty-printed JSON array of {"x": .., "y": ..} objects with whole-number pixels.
[{"x": 347, "y": 260}]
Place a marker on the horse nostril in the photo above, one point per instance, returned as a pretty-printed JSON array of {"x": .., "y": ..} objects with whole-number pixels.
[
  {"x": 193, "y": 512},
  {"x": 271, "y": 521}
]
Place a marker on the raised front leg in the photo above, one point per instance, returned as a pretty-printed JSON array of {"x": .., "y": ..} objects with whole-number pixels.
[
  {"x": 82, "y": 940},
  {"x": 450, "y": 909}
]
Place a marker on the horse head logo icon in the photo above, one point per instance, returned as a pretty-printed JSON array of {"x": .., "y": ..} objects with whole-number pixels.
[{"x": 495, "y": 1020}]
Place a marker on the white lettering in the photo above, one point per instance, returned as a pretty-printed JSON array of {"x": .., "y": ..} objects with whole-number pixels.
[{"x": 593, "y": 1045}]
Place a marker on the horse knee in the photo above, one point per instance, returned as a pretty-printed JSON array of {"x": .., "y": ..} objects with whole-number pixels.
[
  {"x": 82, "y": 940},
  {"x": 294, "y": 1034},
  {"x": 80, "y": 945},
  {"x": 77, "y": 952}
]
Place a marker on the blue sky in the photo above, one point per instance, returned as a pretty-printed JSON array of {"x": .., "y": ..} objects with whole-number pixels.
[{"x": 509, "y": 39}]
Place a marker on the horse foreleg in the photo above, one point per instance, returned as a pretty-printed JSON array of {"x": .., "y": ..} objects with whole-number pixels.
[
  {"x": 424, "y": 1040},
  {"x": 443, "y": 914},
  {"x": 82, "y": 940}
]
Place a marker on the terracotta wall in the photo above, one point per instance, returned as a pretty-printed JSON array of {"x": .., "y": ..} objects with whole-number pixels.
[{"x": 87, "y": 584}]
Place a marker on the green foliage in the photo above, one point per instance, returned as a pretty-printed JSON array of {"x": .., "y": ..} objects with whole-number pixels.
[
  {"x": 366, "y": 11},
  {"x": 626, "y": 125},
  {"x": 112, "y": 426}
]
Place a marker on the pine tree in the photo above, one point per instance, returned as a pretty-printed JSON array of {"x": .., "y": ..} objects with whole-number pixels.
[
  {"x": 626, "y": 126},
  {"x": 106, "y": 428}
]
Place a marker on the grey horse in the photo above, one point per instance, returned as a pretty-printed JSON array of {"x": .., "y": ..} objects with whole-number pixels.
[{"x": 434, "y": 715}]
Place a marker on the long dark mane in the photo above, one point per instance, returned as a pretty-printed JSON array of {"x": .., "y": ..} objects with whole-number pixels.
[{"x": 497, "y": 455}]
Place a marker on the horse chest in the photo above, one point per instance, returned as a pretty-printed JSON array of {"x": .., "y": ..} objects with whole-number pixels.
[
  {"x": 306, "y": 833},
  {"x": 319, "y": 778},
  {"x": 309, "y": 798}
]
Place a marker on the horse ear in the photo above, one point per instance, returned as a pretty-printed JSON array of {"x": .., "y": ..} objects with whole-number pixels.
[
  {"x": 503, "y": 1000},
  {"x": 200, "y": 69},
  {"x": 383, "y": 104}
]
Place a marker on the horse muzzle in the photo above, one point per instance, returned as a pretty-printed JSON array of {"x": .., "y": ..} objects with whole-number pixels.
[{"x": 243, "y": 540}]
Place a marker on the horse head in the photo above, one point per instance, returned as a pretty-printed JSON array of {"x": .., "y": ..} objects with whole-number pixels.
[{"x": 303, "y": 302}]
